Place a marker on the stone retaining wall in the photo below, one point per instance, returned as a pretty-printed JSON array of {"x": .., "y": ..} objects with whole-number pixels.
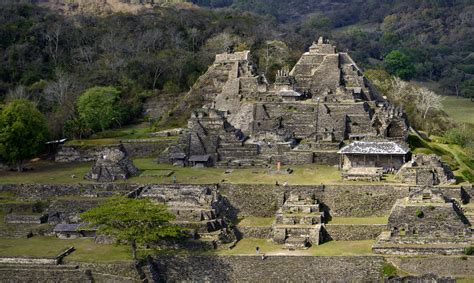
[
  {"x": 420, "y": 250},
  {"x": 255, "y": 232},
  {"x": 123, "y": 270},
  {"x": 361, "y": 200},
  {"x": 26, "y": 274},
  {"x": 272, "y": 269},
  {"x": 347, "y": 232},
  {"x": 339, "y": 200},
  {"x": 442, "y": 265},
  {"x": 27, "y": 260},
  {"x": 253, "y": 199},
  {"x": 74, "y": 153},
  {"x": 25, "y": 219},
  {"x": 46, "y": 191}
]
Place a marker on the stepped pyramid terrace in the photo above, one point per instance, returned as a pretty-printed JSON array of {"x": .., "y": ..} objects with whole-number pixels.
[
  {"x": 201, "y": 209},
  {"x": 304, "y": 117},
  {"x": 307, "y": 179},
  {"x": 425, "y": 222},
  {"x": 298, "y": 222}
]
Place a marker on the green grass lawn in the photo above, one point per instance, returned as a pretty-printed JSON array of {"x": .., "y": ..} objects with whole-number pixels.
[
  {"x": 332, "y": 248},
  {"x": 252, "y": 221},
  {"x": 47, "y": 172},
  {"x": 32, "y": 247},
  {"x": 86, "y": 249},
  {"x": 460, "y": 109},
  {"x": 135, "y": 131},
  {"x": 359, "y": 220},
  {"x": 303, "y": 175}
]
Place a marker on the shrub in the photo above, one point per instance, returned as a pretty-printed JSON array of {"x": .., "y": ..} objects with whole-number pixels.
[
  {"x": 389, "y": 270},
  {"x": 419, "y": 213},
  {"x": 468, "y": 176},
  {"x": 457, "y": 136},
  {"x": 469, "y": 250},
  {"x": 171, "y": 87}
]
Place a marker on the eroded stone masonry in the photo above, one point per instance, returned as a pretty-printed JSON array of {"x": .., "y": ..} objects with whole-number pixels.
[
  {"x": 322, "y": 111},
  {"x": 303, "y": 117}
]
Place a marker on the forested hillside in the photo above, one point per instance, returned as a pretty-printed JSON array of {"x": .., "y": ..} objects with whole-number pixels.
[
  {"x": 51, "y": 59},
  {"x": 50, "y": 56},
  {"x": 436, "y": 35}
]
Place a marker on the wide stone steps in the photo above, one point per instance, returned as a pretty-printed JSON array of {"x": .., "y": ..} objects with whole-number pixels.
[
  {"x": 295, "y": 219},
  {"x": 297, "y": 242},
  {"x": 205, "y": 226},
  {"x": 197, "y": 214}
]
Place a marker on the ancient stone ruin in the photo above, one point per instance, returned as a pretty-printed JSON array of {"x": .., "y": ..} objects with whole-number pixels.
[
  {"x": 200, "y": 208},
  {"x": 425, "y": 222},
  {"x": 426, "y": 170},
  {"x": 298, "y": 222},
  {"x": 302, "y": 118},
  {"x": 368, "y": 160},
  {"x": 112, "y": 164}
]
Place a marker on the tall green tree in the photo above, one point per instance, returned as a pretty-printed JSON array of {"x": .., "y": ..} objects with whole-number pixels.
[
  {"x": 467, "y": 89},
  {"x": 99, "y": 107},
  {"x": 23, "y": 132},
  {"x": 399, "y": 64},
  {"x": 135, "y": 221}
]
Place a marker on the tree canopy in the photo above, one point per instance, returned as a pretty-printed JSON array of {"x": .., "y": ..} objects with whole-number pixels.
[
  {"x": 99, "y": 107},
  {"x": 51, "y": 57},
  {"x": 23, "y": 132},
  {"x": 135, "y": 221},
  {"x": 399, "y": 64}
]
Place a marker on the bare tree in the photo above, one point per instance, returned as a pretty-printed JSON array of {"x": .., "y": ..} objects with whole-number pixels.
[
  {"x": 18, "y": 92},
  {"x": 152, "y": 39},
  {"x": 61, "y": 91},
  {"x": 276, "y": 52},
  {"x": 194, "y": 33},
  {"x": 114, "y": 55},
  {"x": 53, "y": 36},
  {"x": 427, "y": 100},
  {"x": 222, "y": 42},
  {"x": 399, "y": 89}
]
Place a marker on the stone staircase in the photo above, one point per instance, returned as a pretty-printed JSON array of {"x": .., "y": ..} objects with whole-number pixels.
[
  {"x": 359, "y": 124},
  {"x": 196, "y": 207},
  {"x": 298, "y": 222},
  {"x": 233, "y": 151}
]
